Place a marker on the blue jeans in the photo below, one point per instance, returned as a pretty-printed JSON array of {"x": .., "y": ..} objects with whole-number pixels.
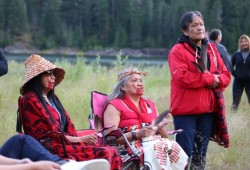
[
  {"x": 195, "y": 137},
  {"x": 24, "y": 146}
]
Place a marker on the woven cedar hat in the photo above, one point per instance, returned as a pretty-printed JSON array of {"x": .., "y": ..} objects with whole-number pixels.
[{"x": 35, "y": 65}]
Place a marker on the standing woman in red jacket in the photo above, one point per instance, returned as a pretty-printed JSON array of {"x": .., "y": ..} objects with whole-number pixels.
[{"x": 198, "y": 77}]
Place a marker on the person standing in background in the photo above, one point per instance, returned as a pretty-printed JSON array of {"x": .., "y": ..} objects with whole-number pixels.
[
  {"x": 3, "y": 64},
  {"x": 215, "y": 36},
  {"x": 241, "y": 64},
  {"x": 195, "y": 104}
]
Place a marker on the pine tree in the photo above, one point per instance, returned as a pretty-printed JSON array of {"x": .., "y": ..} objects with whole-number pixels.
[{"x": 15, "y": 18}]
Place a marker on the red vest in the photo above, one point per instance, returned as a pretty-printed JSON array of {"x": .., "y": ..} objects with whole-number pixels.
[{"x": 130, "y": 118}]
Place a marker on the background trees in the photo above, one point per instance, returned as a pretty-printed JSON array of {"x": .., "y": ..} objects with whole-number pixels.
[{"x": 98, "y": 24}]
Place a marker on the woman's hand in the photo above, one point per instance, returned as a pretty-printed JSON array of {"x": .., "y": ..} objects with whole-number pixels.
[
  {"x": 163, "y": 124},
  {"x": 89, "y": 139},
  {"x": 145, "y": 132},
  {"x": 216, "y": 81}
]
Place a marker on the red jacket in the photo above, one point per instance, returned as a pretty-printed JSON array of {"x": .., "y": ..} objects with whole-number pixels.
[{"x": 189, "y": 87}]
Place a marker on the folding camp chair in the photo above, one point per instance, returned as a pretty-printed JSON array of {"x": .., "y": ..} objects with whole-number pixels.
[{"x": 98, "y": 104}]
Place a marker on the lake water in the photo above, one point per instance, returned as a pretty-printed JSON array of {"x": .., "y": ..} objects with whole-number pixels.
[{"x": 104, "y": 60}]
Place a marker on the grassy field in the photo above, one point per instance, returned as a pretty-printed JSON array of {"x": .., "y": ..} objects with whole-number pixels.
[{"x": 81, "y": 79}]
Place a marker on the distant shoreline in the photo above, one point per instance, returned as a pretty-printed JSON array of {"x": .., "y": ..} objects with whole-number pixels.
[
  {"x": 88, "y": 59},
  {"x": 145, "y": 52}
]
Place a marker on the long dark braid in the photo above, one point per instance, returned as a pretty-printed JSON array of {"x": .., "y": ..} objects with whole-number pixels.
[{"x": 35, "y": 85}]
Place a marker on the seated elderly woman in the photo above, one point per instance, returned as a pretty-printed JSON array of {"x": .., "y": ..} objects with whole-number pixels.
[
  {"x": 129, "y": 111},
  {"x": 44, "y": 117}
]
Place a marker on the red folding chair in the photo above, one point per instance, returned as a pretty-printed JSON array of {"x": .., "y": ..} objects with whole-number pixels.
[{"x": 98, "y": 103}]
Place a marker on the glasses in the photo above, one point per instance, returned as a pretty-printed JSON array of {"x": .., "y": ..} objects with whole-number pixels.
[{"x": 49, "y": 73}]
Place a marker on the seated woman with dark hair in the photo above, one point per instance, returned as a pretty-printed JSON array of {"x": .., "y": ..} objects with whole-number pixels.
[
  {"x": 134, "y": 114},
  {"x": 44, "y": 117}
]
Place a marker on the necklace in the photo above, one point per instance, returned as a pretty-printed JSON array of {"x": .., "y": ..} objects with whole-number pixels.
[{"x": 46, "y": 99}]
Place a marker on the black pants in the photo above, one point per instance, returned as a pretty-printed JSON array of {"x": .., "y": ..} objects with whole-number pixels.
[{"x": 238, "y": 87}]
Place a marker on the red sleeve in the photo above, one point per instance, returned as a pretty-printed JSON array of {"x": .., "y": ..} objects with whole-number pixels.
[
  {"x": 184, "y": 73},
  {"x": 36, "y": 121}
]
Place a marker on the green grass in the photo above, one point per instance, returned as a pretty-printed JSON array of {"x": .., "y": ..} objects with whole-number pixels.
[{"x": 81, "y": 79}]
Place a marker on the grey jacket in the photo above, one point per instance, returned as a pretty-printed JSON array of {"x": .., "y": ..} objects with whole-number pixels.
[{"x": 225, "y": 56}]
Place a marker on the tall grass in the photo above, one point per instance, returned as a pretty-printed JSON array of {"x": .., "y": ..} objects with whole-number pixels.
[{"x": 81, "y": 79}]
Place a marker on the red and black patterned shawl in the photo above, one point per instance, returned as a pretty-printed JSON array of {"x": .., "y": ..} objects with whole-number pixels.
[{"x": 45, "y": 127}]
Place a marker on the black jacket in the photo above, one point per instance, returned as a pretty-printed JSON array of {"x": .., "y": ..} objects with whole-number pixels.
[
  {"x": 241, "y": 66},
  {"x": 3, "y": 64}
]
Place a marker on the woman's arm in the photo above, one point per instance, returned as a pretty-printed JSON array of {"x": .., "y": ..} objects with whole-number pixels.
[
  {"x": 184, "y": 73},
  {"x": 87, "y": 139},
  {"x": 15, "y": 164},
  {"x": 4, "y": 160},
  {"x": 112, "y": 118},
  {"x": 41, "y": 165},
  {"x": 19, "y": 167},
  {"x": 233, "y": 58}
]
